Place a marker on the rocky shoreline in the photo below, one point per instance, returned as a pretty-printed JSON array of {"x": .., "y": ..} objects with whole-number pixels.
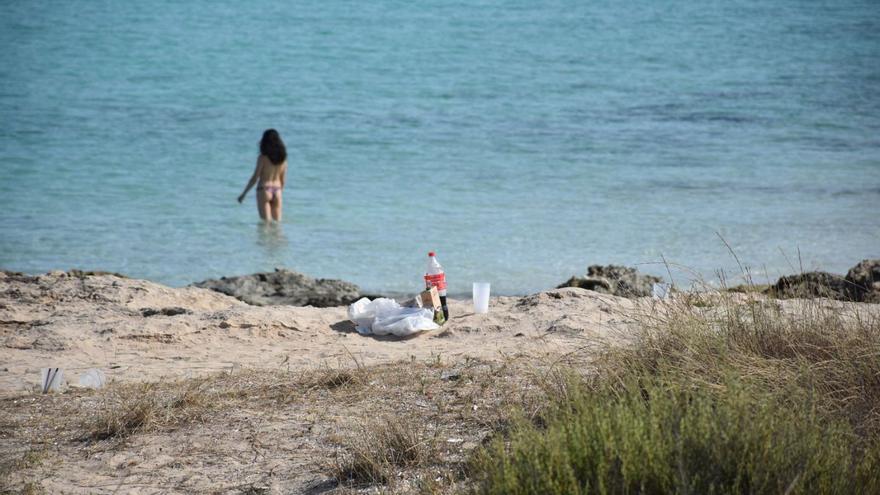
[
  {"x": 285, "y": 287},
  {"x": 860, "y": 284},
  {"x": 290, "y": 288}
]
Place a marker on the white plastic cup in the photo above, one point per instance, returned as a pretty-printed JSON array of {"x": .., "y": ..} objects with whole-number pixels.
[
  {"x": 51, "y": 379},
  {"x": 481, "y": 297},
  {"x": 93, "y": 378}
]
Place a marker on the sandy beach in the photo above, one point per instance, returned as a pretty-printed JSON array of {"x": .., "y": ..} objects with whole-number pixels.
[
  {"x": 138, "y": 332},
  {"x": 208, "y": 394},
  {"x": 78, "y": 323}
]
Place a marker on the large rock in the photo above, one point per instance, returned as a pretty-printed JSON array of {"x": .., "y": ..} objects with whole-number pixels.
[
  {"x": 811, "y": 284},
  {"x": 285, "y": 287},
  {"x": 861, "y": 284},
  {"x": 864, "y": 280},
  {"x": 613, "y": 279}
]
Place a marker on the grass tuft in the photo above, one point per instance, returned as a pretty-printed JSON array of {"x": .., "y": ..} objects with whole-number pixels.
[
  {"x": 371, "y": 455},
  {"x": 146, "y": 407},
  {"x": 333, "y": 378}
]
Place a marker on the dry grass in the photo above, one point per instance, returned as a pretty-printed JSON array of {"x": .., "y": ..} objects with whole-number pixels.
[
  {"x": 147, "y": 407},
  {"x": 331, "y": 378},
  {"x": 29, "y": 460},
  {"x": 723, "y": 393},
  {"x": 833, "y": 351},
  {"x": 370, "y": 455},
  {"x": 299, "y": 426}
]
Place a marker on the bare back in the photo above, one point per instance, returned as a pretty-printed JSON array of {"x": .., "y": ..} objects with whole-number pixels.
[{"x": 270, "y": 174}]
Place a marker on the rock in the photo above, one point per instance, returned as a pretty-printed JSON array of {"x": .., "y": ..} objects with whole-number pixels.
[
  {"x": 811, "y": 284},
  {"x": 147, "y": 312},
  {"x": 18, "y": 277},
  {"x": 613, "y": 279},
  {"x": 602, "y": 285},
  {"x": 864, "y": 280},
  {"x": 450, "y": 376},
  {"x": 91, "y": 273},
  {"x": 861, "y": 284},
  {"x": 285, "y": 287}
]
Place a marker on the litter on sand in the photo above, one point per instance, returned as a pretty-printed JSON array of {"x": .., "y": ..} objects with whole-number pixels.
[
  {"x": 51, "y": 379},
  {"x": 92, "y": 378},
  {"x": 660, "y": 291},
  {"x": 430, "y": 299},
  {"x": 385, "y": 316}
]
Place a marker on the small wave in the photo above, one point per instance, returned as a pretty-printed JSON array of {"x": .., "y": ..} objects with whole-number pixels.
[
  {"x": 677, "y": 112},
  {"x": 682, "y": 185},
  {"x": 867, "y": 191},
  {"x": 716, "y": 117},
  {"x": 733, "y": 95}
]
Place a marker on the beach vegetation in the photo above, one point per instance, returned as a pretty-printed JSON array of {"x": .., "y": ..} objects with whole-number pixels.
[
  {"x": 147, "y": 407},
  {"x": 333, "y": 378},
  {"x": 371, "y": 456},
  {"x": 740, "y": 399},
  {"x": 709, "y": 393}
]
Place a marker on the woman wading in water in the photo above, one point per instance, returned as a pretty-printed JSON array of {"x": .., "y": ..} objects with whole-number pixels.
[{"x": 269, "y": 176}]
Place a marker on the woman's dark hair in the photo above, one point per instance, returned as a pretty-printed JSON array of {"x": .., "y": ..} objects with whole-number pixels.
[{"x": 273, "y": 147}]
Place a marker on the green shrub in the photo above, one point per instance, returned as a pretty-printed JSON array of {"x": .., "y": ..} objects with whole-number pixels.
[
  {"x": 663, "y": 436},
  {"x": 746, "y": 399}
]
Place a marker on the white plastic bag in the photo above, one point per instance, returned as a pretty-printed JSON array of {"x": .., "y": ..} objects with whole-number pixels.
[
  {"x": 404, "y": 321},
  {"x": 357, "y": 314},
  {"x": 385, "y": 316},
  {"x": 363, "y": 312}
]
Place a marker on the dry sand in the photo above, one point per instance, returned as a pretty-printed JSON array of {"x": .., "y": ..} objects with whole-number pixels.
[
  {"x": 77, "y": 323},
  {"x": 254, "y": 431}
]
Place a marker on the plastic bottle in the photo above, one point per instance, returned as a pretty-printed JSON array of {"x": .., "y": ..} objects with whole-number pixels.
[{"x": 435, "y": 277}]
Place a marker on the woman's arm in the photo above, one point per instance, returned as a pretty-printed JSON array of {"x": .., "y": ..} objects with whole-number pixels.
[
  {"x": 251, "y": 182},
  {"x": 283, "y": 175}
]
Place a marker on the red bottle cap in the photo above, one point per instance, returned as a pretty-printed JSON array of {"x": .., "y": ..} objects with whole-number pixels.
[{"x": 431, "y": 253}]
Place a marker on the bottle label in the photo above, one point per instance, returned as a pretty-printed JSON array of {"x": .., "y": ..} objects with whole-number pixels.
[{"x": 438, "y": 281}]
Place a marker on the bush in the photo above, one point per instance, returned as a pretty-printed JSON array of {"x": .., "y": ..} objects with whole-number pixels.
[{"x": 742, "y": 399}]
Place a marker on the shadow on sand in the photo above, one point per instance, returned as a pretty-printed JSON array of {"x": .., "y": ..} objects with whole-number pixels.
[{"x": 346, "y": 326}]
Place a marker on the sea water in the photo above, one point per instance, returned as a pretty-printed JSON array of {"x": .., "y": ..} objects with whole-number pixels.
[{"x": 521, "y": 140}]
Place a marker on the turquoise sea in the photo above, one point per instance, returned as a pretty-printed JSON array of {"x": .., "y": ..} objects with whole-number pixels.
[{"x": 521, "y": 140}]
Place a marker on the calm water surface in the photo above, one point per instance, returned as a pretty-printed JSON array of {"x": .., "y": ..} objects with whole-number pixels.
[{"x": 520, "y": 140}]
